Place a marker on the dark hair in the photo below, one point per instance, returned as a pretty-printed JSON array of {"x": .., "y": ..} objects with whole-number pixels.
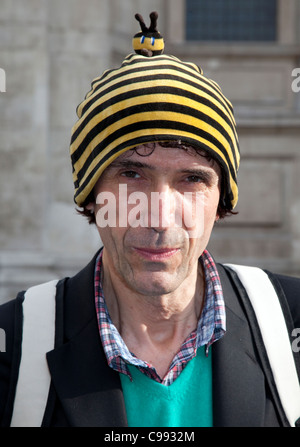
[{"x": 223, "y": 209}]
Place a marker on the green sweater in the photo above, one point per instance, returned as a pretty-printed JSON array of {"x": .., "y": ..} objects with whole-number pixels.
[{"x": 187, "y": 402}]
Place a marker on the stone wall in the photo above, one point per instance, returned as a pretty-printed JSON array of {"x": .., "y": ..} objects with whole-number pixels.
[{"x": 50, "y": 51}]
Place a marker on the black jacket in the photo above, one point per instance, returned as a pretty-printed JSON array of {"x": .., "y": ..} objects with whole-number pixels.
[{"x": 86, "y": 392}]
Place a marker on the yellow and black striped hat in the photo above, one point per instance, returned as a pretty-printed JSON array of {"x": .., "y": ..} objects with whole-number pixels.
[{"x": 146, "y": 100}]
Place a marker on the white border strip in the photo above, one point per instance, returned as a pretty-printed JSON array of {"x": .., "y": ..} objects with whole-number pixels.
[
  {"x": 38, "y": 338},
  {"x": 275, "y": 335}
]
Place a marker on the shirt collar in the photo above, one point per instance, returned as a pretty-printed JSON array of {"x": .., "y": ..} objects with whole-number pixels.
[{"x": 211, "y": 325}]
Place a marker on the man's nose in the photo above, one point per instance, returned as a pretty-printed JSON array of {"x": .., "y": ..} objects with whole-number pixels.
[{"x": 162, "y": 207}]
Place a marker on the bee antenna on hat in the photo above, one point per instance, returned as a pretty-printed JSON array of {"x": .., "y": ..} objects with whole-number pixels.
[
  {"x": 140, "y": 19},
  {"x": 153, "y": 25}
]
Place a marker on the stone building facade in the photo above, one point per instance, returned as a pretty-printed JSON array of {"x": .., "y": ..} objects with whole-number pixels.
[{"x": 50, "y": 50}]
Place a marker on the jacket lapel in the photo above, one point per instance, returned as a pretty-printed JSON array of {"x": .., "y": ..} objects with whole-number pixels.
[
  {"x": 89, "y": 391},
  {"x": 238, "y": 381}
]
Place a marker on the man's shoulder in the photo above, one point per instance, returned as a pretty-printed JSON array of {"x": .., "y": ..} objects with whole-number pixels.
[
  {"x": 291, "y": 288},
  {"x": 10, "y": 350},
  {"x": 9, "y": 313},
  {"x": 287, "y": 287},
  {"x": 291, "y": 284}
]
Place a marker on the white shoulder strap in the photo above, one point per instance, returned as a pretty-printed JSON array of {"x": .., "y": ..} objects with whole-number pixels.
[
  {"x": 275, "y": 335},
  {"x": 38, "y": 338}
]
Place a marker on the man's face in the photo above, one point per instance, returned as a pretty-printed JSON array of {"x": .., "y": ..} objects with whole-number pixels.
[{"x": 152, "y": 246}]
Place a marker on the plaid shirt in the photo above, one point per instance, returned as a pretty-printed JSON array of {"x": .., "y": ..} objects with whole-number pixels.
[{"x": 211, "y": 327}]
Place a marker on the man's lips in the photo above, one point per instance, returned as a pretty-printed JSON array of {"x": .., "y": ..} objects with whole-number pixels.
[{"x": 156, "y": 254}]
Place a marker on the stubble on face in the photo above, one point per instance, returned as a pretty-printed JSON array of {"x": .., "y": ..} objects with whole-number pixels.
[{"x": 147, "y": 260}]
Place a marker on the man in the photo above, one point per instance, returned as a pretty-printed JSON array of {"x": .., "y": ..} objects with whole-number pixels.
[{"x": 152, "y": 332}]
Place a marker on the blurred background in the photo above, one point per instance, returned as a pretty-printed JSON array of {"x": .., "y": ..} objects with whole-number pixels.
[{"x": 51, "y": 50}]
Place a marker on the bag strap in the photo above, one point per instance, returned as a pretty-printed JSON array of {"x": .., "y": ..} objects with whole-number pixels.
[
  {"x": 275, "y": 335},
  {"x": 38, "y": 338}
]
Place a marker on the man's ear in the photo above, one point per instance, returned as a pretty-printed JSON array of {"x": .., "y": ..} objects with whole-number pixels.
[{"x": 90, "y": 206}]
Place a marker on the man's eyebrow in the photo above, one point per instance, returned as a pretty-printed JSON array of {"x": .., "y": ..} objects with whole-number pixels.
[
  {"x": 206, "y": 174},
  {"x": 201, "y": 172},
  {"x": 129, "y": 164}
]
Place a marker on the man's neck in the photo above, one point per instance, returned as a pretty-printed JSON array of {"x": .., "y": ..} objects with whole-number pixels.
[{"x": 154, "y": 327}]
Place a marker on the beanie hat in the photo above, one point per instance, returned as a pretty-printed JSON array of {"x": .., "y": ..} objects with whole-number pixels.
[{"x": 152, "y": 99}]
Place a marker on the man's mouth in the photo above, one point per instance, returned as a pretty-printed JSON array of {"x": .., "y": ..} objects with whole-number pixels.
[{"x": 156, "y": 254}]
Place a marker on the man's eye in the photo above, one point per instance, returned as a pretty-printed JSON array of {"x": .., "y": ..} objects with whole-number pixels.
[
  {"x": 130, "y": 174},
  {"x": 194, "y": 179}
]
